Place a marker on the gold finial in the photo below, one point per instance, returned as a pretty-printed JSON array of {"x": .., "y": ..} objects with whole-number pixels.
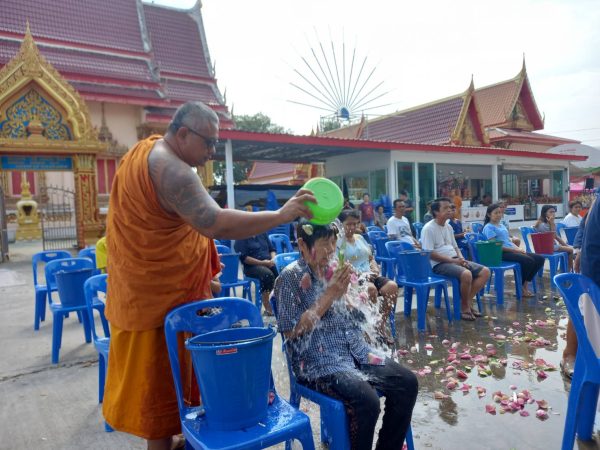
[{"x": 25, "y": 192}]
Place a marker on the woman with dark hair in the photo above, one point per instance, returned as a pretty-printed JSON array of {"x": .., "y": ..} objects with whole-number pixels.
[
  {"x": 358, "y": 253},
  {"x": 328, "y": 352},
  {"x": 530, "y": 262},
  {"x": 546, "y": 223}
]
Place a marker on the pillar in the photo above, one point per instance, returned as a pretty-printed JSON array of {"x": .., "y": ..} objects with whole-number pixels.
[{"x": 89, "y": 226}]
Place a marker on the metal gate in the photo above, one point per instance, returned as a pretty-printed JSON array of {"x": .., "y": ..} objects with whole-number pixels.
[{"x": 59, "y": 218}]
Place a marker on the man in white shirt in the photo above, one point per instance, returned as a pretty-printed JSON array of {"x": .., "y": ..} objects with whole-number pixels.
[
  {"x": 398, "y": 226},
  {"x": 447, "y": 260},
  {"x": 573, "y": 219}
]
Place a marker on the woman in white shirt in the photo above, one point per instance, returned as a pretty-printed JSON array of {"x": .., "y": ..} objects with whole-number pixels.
[{"x": 573, "y": 219}]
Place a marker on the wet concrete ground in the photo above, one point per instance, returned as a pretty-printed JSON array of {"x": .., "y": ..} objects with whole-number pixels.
[{"x": 55, "y": 406}]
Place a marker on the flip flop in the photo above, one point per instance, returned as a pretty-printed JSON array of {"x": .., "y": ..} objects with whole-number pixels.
[
  {"x": 475, "y": 313},
  {"x": 468, "y": 316},
  {"x": 566, "y": 368}
]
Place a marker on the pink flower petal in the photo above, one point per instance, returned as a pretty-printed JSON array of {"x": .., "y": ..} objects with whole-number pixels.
[
  {"x": 524, "y": 413},
  {"x": 513, "y": 387},
  {"x": 461, "y": 375},
  {"x": 439, "y": 395},
  {"x": 428, "y": 347},
  {"x": 491, "y": 409},
  {"x": 541, "y": 414},
  {"x": 542, "y": 375},
  {"x": 445, "y": 342}
]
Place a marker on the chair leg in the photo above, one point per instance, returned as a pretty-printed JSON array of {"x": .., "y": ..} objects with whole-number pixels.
[
  {"x": 57, "y": 326},
  {"x": 101, "y": 377},
  {"x": 79, "y": 316},
  {"x": 489, "y": 283},
  {"x": 553, "y": 265},
  {"x": 572, "y": 416},
  {"x": 587, "y": 411},
  {"x": 40, "y": 309},
  {"x": 408, "y": 291},
  {"x": 421, "y": 307},
  {"x": 456, "y": 306},
  {"x": 87, "y": 330},
  {"x": 442, "y": 289},
  {"x": 499, "y": 285},
  {"x": 518, "y": 282},
  {"x": 306, "y": 438},
  {"x": 409, "y": 439}
]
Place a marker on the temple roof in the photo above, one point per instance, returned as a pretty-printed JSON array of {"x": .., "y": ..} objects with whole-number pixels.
[
  {"x": 497, "y": 101},
  {"x": 500, "y": 134},
  {"x": 119, "y": 51},
  {"x": 437, "y": 122}
]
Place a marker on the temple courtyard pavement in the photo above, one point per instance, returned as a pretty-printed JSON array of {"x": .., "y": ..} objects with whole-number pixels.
[{"x": 512, "y": 349}]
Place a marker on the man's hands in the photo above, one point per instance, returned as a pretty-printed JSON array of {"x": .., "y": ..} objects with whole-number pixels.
[
  {"x": 461, "y": 262},
  {"x": 296, "y": 207},
  {"x": 268, "y": 262}
]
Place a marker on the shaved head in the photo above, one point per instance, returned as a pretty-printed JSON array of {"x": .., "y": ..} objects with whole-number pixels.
[{"x": 192, "y": 114}]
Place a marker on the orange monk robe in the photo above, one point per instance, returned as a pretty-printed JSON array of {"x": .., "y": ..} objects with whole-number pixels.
[{"x": 157, "y": 262}]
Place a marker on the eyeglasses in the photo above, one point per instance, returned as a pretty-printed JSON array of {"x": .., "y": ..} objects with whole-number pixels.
[{"x": 210, "y": 142}]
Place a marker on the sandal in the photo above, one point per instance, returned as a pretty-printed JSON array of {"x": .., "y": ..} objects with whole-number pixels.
[
  {"x": 177, "y": 442},
  {"x": 467, "y": 316},
  {"x": 475, "y": 313},
  {"x": 567, "y": 368}
]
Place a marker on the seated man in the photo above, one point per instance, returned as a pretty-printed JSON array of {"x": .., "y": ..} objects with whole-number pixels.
[
  {"x": 447, "y": 259},
  {"x": 398, "y": 225},
  {"x": 327, "y": 349}
]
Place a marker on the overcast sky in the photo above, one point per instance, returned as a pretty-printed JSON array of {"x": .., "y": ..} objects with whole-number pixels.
[{"x": 421, "y": 51}]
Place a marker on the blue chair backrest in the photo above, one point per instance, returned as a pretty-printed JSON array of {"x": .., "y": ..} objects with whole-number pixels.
[
  {"x": 418, "y": 226},
  {"x": 559, "y": 226},
  {"x": 281, "y": 229},
  {"x": 224, "y": 243},
  {"x": 202, "y": 317},
  {"x": 231, "y": 270},
  {"x": 395, "y": 247},
  {"x": 373, "y": 228},
  {"x": 281, "y": 242},
  {"x": 476, "y": 227},
  {"x": 222, "y": 249},
  {"x": 570, "y": 233},
  {"x": 380, "y": 247},
  {"x": 46, "y": 257},
  {"x": 525, "y": 232},
  {"x": 88, "y": 252},
  {"x": 64, "y": 264},
  {"x": 572, "y": 286},
  {"x": 91, "y": 288},
  {"x": 283, "y": 259},
  {"x": 374, "y": 236}
]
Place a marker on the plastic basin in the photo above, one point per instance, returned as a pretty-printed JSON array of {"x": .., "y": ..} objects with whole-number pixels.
[
  {"x": 330, "y": 200},
  {"x": 489, "y": 252},
  {"x": 543, "y": 243},
  {"x": 233, "y": 369},
  {"x": 69, "y": 285}
]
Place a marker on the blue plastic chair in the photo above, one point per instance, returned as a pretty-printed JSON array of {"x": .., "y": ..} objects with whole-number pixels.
[
  {"x": 418, "y": 226},
  {"x": 59, "y": 311},
  {"x": 283, "y": 421},
  {"x": 283, "y": 259},
  {"x": 281, "y": 229},
  {"x": 477, "y": 227},
  {"x": 585, "y": 384},
  {"x": 91, "y": 288},
  {"x": 281, "y": 242},
  {"x": 373, "y": 228},
  {"x": 41, "y": 290},
  {"x": 497, "y": 272},
  {"x": 229, "y": 276},
  {"x": 378, "y": 240},
  {"x": 556, "y": 260},
  {"x": 421, "y": 288},
  {"x": 335, "y": 431},
  {"x": 221, "y": 249}
]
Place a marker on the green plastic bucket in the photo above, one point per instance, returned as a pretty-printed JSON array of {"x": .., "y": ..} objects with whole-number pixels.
[
  {"x": 330, "y": 200},
  {"x": 489, "y": 252}
]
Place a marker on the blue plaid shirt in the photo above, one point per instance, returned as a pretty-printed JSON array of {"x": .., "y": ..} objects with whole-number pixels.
[{"x": 336, "y": 344}]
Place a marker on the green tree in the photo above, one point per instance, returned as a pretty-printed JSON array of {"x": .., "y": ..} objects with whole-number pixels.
[
  {"x": 328, "y": 124},
  {"x": 258, "y": 122}
]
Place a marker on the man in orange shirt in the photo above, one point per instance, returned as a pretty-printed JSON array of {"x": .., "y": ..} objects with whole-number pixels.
[{"x": 160, "y": 226}]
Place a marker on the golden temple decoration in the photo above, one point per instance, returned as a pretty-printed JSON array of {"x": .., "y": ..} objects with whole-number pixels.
[
  {"x": 464, "y": 132},
  {"x": 28, "y": 219}
]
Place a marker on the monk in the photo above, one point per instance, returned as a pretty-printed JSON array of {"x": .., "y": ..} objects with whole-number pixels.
[{"x": 160, "y": 227}]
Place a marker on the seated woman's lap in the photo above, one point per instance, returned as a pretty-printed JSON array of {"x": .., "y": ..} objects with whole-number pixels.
[{"x": 266, "y": 275}]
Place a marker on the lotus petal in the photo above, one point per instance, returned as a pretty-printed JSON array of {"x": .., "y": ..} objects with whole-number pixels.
[
  {"x": 524, "y": 413},
  {"x": 439, "y": 395},
  {"x": 428, "y": 347},
  {"x": 461, "y": 375},
  {"x": 541, "y": 414},
  {"x": 491, "y": 409},
  {"x": 445, "y": 342}
]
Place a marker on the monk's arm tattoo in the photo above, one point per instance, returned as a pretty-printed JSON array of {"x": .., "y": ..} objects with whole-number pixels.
[{"x": 179, "y": 190}]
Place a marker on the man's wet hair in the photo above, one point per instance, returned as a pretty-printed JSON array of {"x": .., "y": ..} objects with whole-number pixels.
[
  {"x": 189, "y": 114},
  {"x": 316, "y": 232},
  {"x": 348, "y": 213},
  {"x": 398, "y": 200},
  {"x": 437, "y": 203}
]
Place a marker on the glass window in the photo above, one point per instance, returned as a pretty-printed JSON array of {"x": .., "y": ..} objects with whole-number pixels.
[
  {"x": 405, "y": 176},
  {"x": 426, "y": 188},
  {"x": 557, "y": 184},
  {"x": 358, "y": 185},
  {"x": 378, "y": 184}
]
